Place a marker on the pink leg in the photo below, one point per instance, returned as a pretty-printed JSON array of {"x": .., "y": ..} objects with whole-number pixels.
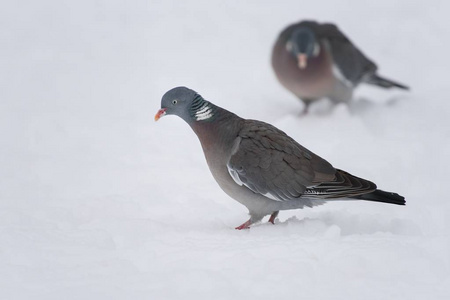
[
  {"x": 246, "y": 225},
  {"x": 273, "y": 216},
  {"x": 303, "y": 113}
]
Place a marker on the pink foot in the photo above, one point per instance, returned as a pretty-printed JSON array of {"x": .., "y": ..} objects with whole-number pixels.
[
  {"x": 272, "y": 217},
  {"x": 246, "y": 225}
]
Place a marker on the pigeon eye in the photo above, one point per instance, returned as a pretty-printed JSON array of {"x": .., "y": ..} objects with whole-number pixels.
[{"x": 174, "y": 101}]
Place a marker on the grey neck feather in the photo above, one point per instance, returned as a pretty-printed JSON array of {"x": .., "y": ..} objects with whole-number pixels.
[
  {"x": 202, "y": 110},
  {"x": 215, "y": 127}
]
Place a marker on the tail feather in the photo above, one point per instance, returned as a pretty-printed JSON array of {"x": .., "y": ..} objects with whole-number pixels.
[
  {"x": 386, "y": 83},
  {"x": 382, "y": 196}
]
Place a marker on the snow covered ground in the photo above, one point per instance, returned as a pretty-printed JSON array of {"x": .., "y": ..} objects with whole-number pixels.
[{"x": 97, "y": 201}]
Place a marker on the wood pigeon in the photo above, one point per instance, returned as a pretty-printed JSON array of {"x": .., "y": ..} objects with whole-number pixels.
[
  {"x": 314, "y": 61},
  {"x": 262, "y": 167}
]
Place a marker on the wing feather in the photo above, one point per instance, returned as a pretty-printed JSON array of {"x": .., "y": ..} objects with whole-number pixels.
[
  {"x": 270, "y": 163},
  {"x": 349, "y": 60}
]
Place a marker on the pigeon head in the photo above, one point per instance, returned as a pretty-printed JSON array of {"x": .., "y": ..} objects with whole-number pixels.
[
  {"x": 302, "y": 44},
  {"x": 186, "y": 104}
]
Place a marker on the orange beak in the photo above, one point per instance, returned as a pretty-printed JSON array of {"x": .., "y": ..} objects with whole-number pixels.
[
  {"x": 160, "y": 113},
  {"x": 302, "y": 60}
]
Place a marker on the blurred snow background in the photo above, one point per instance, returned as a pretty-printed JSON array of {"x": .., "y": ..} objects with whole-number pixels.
[{"x": 97, "y": 201}]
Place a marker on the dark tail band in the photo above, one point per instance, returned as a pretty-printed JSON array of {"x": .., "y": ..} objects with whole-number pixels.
[
  {"x": 382, "y": 196},
  {"x": 386, "y": 83}
]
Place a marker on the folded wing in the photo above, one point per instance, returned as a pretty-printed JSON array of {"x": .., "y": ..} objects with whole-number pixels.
[{"x": 270, "y": 163}]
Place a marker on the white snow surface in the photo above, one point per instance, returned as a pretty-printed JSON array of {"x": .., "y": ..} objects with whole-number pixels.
[{"x": 97, "y": 201}]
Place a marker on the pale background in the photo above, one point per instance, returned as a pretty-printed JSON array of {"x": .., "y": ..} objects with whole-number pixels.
[{"x": 97, "y": 201}]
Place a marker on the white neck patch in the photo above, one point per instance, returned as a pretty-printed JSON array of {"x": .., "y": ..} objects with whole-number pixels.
[
  {"x": 316, "y": 50},
  {"x": 204, "y": 113}
]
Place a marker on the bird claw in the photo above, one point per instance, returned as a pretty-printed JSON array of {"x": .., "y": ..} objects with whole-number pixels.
[{"x": 246, "y": 225}]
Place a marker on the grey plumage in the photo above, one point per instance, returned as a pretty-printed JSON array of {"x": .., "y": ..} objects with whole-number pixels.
[
  {"x": 333, "y": 66},
  {"x": 262, "y": 167}
]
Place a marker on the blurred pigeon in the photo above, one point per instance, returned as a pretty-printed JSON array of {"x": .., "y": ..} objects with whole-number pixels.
[
  {"x": 260, "y": 166},
  {"x": 315, "y": 60}
]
